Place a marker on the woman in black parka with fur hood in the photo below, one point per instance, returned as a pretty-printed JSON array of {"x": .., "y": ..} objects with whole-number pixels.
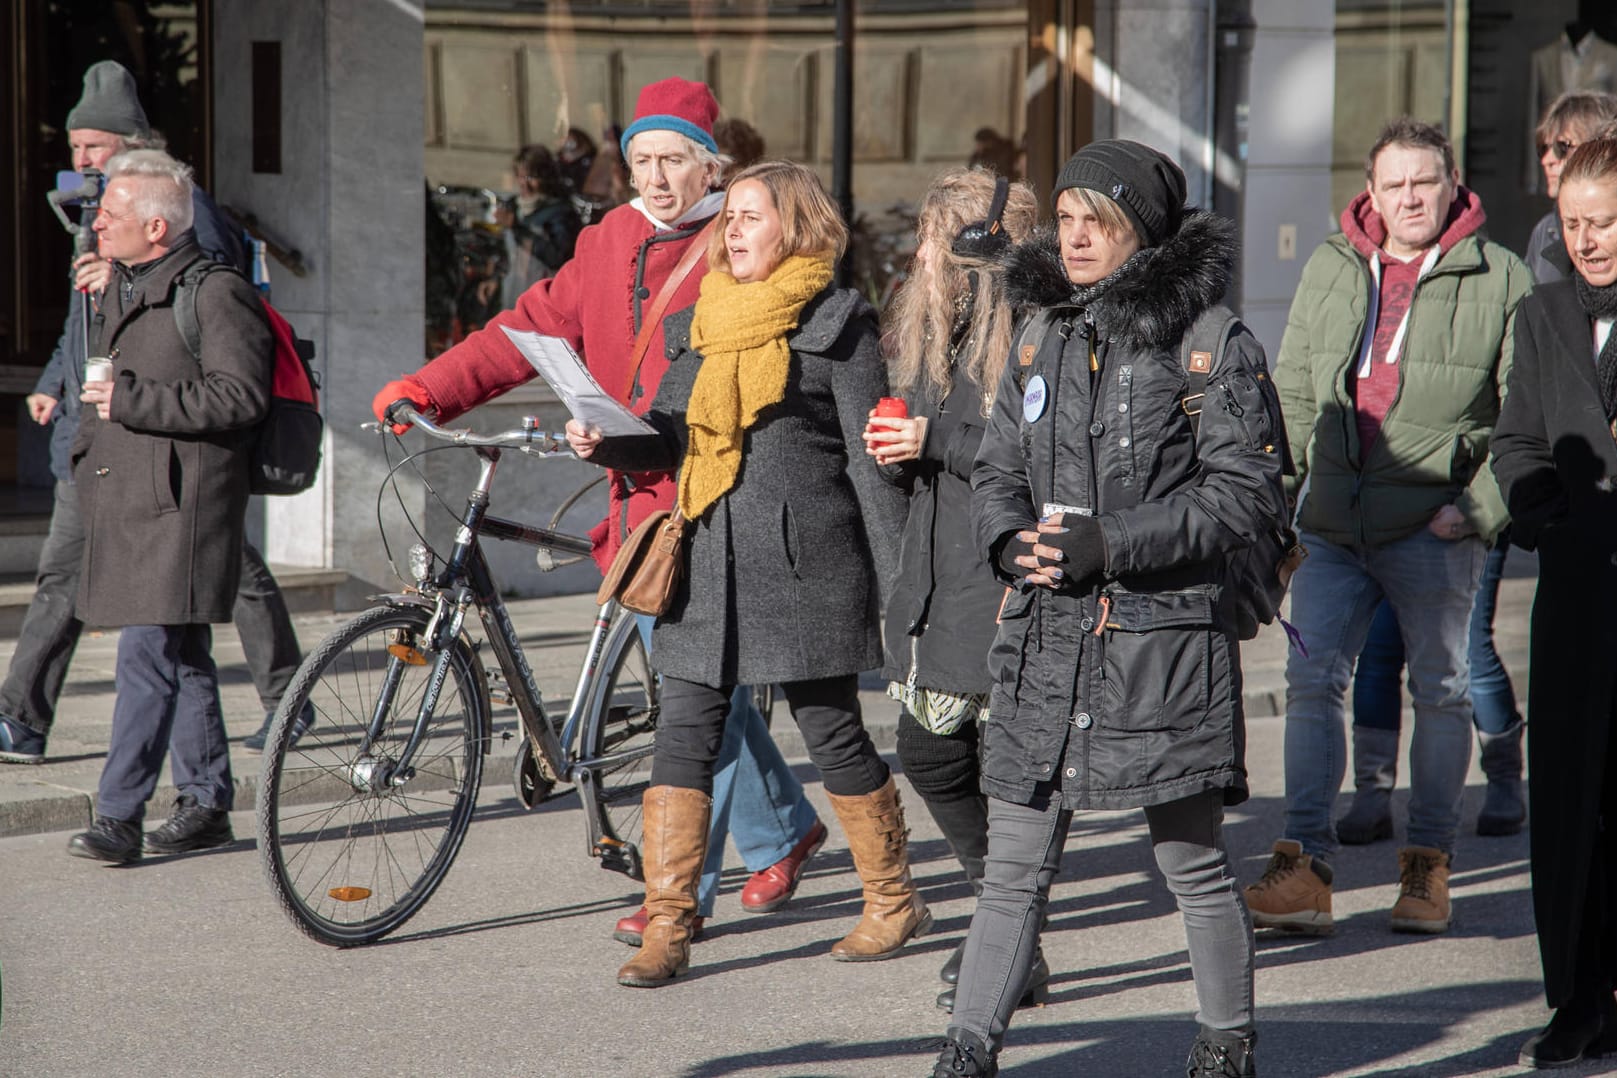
[{"x": 1111, "y": 519}]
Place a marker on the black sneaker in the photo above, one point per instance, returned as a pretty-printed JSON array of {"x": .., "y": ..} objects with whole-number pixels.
[
  {"x": 191, "y": 827},
  {"x": 20, "y": 744},
  {"x": 107, "y": 839},
  {"x": 1219, "y": 1053},
  {"x": 254, "y": 743}
]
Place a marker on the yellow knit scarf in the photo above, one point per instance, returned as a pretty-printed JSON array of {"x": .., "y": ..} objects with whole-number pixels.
[{"x": 740, "y": 329}]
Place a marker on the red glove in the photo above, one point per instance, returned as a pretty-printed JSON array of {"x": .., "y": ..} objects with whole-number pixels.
[{"x": 407, "y": 388}]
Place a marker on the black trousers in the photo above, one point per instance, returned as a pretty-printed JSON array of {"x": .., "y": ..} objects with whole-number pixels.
[{"x": 691, "y": 728}]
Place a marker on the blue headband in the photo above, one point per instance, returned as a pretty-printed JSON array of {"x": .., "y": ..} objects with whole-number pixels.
[{"x": 666, "y": 123}]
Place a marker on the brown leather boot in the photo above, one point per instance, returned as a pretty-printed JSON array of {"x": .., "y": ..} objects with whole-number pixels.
[
  {"x": 673, "y": 846},
  {"x": 877, "y": 839}
]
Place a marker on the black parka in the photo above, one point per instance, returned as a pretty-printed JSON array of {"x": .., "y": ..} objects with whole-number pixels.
[
  {"x": 1133, "y": 686},
  {"x": 940, "y": 616},
  {"x": 1555, "y": 459}
]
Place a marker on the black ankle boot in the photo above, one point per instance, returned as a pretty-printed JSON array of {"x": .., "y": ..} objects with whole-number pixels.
[
  {"x": 950, "y": 973},
  {"x": 965, "y": 1055},
  {"x": 1583, "y": 1029},
  {"x": 1219, "y": 1053},
  {"x": 1034, "y": 995}
]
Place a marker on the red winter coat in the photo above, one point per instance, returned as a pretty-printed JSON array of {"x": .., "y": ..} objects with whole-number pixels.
[{"x": 595, "y": 302}]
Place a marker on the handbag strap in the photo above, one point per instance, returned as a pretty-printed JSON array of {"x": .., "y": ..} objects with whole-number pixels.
[{"x": 659, "y": 306}]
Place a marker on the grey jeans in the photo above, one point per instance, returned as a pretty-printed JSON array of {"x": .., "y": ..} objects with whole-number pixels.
[{"x": 1024, "y": 852}]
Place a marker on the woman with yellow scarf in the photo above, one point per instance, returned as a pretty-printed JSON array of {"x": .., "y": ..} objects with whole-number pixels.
[{"x": 763, "y": 407}]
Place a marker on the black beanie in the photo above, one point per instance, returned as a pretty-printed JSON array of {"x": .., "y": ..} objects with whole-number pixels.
[
  {"x": 1146, "y": 185},
  {"x": 109, "y": 102}
]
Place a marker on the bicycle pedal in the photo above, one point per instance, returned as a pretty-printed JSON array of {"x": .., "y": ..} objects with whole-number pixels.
[{"x": 618, "y": 856}]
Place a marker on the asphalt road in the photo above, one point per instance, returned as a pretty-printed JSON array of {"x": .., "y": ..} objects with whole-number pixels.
[{"x": 186, "y": 967}]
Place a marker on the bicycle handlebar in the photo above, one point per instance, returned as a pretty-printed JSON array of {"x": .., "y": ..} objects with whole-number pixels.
[{"x": 528, "y": 438}]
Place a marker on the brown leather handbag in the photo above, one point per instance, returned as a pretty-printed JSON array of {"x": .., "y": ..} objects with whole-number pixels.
[{"x": 648, "y": 568}]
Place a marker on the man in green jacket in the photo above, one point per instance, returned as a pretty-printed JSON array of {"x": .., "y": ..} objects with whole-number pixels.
[{"x": 1390, "y": 374}]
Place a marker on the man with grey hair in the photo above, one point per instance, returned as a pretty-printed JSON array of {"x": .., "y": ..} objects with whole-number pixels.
[
  {"x": 107, "y": 120},
  {"x": 161, "y": 467},
  {"x": 643, "y": 260}
]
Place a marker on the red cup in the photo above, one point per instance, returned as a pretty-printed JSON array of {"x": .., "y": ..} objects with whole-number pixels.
[{"x": 892, "y": 408}]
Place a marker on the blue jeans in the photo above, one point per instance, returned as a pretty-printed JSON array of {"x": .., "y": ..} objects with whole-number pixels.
[
  {"x": 757, "y": 799},
  {"x": 1378, "y": 681},
  {"x": 167, "y": 702},
  {"x": 1431, "y": 585}
]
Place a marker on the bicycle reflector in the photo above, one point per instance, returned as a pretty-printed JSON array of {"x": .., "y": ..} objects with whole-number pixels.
[{"x": 350, "y": 894}]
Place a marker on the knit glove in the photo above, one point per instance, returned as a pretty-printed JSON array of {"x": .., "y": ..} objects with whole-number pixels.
[
  {"x": 408, "y": 388},
  {"x": 1011, "y": 548},
  {"x": 1083, "y": 550}
]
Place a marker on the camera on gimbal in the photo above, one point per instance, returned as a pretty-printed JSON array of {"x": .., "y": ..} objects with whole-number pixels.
[{"x": 80, "y": 190}]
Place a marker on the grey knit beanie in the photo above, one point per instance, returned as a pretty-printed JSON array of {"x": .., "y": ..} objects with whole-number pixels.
[
  {"x": 1145, "y": 184},
  {"x": 109, "y": 102}
]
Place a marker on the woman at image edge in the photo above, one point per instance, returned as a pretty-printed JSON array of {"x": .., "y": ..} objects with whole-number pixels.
[
  {"x": 790, "y": 527},
  {"x": 1117, "y": 680}
]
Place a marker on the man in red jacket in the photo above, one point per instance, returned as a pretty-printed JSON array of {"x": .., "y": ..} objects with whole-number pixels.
[{"x": 599, "y": 302}]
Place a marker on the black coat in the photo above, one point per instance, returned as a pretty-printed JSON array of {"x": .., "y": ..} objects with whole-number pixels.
[
  {"x": 940, "y": 615},
  {"x": 1555, "y": 459},
  {"x": 782, "y": 572},
  {"x": 162, "y": 486},
  {"x": 1137, "y": 680}
]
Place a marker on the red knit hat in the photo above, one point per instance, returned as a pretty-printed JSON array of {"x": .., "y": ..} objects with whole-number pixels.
[{"x": 674, "y": 104}]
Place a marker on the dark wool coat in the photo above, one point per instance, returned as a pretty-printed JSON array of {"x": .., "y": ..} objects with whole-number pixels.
[
  {"x": 595, "y": 302},
  {"x": 162, "y": 486},
  {"x": 940, "y": 616},
  {"x": 782, "y": 572},
  {"x": 1133, "y": 685},
  {"x": 1556, "y": 462}
]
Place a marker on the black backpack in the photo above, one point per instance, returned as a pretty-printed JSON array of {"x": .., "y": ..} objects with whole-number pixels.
[
  {"x": 1259, "y": 574},
  {"x": 286, "y": 452}
]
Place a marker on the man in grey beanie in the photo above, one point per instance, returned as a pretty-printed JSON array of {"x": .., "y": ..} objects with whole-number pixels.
[{"x": 108, "y": 120}]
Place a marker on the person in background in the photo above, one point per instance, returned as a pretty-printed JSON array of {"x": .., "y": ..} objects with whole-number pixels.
[
  {"x": 741, "y": 143},
  {"x": 1554, "y": 454},
  {"x": 598, "y": 302},
  {"x": 1570, "y": 121},
  {"x": 790, "y": 530},
  {"x": 164, "y": 568},
  {"x": 107, "y": 120},
  {"x": 946, "y": 338},
  {"x": 541, "y": 228},
  {"x": 1111, "y": 519},
  {"x": 574, "y": 157},
  {"x": 1390, "y": 372}
]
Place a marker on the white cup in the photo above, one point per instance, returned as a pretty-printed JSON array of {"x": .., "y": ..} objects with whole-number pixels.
[{"x": 97, "y": 369}]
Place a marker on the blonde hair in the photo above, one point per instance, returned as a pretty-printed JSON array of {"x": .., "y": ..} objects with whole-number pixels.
[
  {"x": 1593, "y": 161},
  {"x": 810, "y": 223},
  {"x": 1113, "y": 221},
  {"x": 920, "y": 320}
]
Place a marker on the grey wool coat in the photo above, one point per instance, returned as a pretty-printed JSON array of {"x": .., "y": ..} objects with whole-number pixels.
[
  {"x": 162, "y": 485},
  {"x": 782, "y": 572}
]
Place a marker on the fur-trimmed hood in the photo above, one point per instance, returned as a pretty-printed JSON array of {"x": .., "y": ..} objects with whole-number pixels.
[{"x": 1152, "y": 299}]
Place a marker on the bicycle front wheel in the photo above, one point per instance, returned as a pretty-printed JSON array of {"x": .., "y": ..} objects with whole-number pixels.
[
  {"x": 355, "y": 837},
  {"x": 618, "y": 744}
]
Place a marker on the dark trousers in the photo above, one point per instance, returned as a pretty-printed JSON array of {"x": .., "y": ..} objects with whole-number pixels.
[
  {"x": 690, "y": 731},
  {"x": 168, "y": 701},
  {"x": 50, "y": 631}
]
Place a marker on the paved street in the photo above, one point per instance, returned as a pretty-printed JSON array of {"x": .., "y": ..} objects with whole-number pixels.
[{"x": 186, "y": 967}]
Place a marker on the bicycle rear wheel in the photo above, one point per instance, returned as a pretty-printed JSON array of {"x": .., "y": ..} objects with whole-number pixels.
[
  {"x": 352, "y": 846},
  {"x": 618, "y": 743}
]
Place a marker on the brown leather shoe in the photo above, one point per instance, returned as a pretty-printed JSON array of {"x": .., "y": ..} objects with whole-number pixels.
[
  {"x": 1423, "y": 891},
  {"x": 630, "y": 929},
  {"x": 769, "y": 890},
  {"x": 673, "y": 846},
  {"x": 878, "y": 840},
  {"x": 1294, "y": 894}
]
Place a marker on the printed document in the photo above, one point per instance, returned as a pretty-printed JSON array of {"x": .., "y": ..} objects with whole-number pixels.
[{"x": 560, "y": 366}]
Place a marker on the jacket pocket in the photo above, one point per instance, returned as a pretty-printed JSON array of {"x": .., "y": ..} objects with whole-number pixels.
[
  {"x": 1156, "y": 662},
  {"x": 790, "y": 544},
  {"x": 165, "y": 476},
  {"x": 1006, "y": 655}
]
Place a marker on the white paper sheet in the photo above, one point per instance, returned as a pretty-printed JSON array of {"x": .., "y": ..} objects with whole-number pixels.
[{"x": 561, "y": 368}]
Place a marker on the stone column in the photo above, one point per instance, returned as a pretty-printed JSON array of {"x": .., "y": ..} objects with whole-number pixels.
[{"x": 349, "y": 196}]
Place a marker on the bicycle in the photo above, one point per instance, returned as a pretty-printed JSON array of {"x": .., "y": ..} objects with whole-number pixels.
[{"x": 360, "y": 817}]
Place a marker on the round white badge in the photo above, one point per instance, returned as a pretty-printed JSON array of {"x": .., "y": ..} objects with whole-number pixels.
[{"x": 1035, "y": 398}]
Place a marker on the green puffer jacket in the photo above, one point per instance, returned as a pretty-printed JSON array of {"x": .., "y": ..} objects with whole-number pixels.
[{"x": 1434, "y": 440}]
